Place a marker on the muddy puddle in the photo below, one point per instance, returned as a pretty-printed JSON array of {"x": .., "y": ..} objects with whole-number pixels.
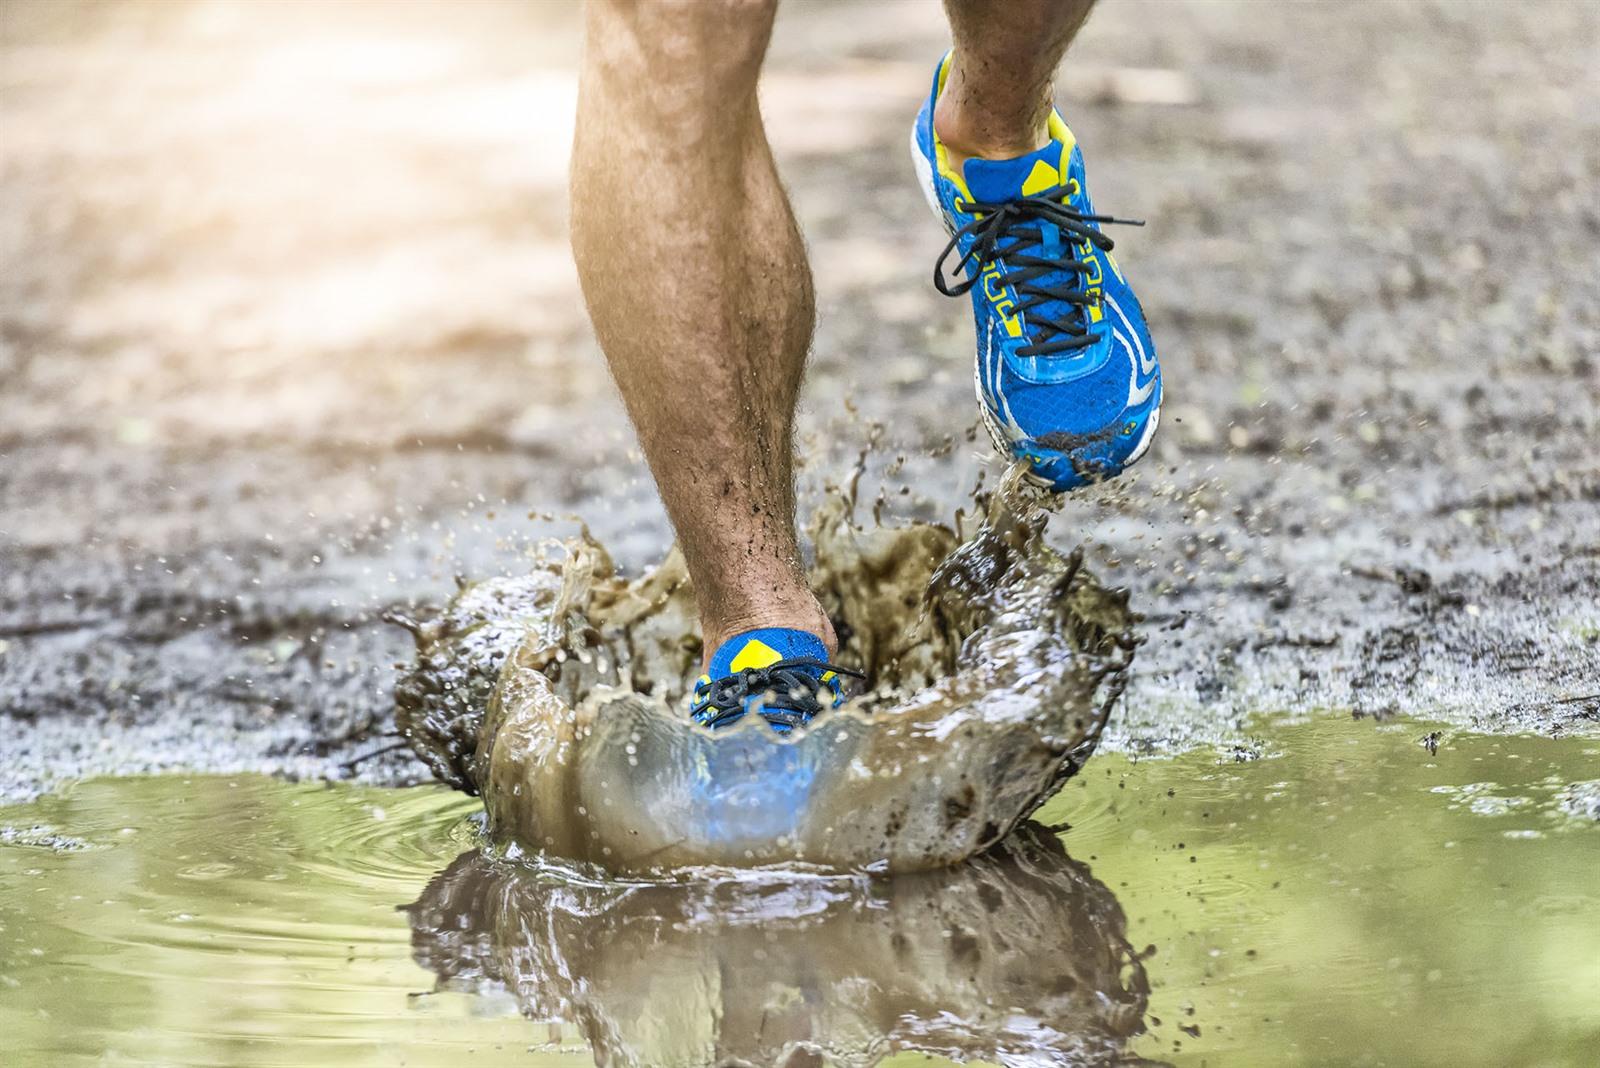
[{"x": 1350, "y": 898}]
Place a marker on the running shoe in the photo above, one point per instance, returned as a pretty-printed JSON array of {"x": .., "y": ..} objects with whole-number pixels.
[
  {"x": 1066, "y": 374},
  {"x": 782, "y": 674}
]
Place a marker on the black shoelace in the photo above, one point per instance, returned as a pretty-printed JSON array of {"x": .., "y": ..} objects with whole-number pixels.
[
  {"x": 792, "y": 689},
  {"x": 1022, "y": 220}
]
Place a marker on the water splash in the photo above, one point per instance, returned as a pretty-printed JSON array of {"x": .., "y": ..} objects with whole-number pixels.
[{"x": 558, "y": 697}]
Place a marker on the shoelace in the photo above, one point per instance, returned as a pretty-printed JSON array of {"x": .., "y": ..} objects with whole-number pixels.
[
  {"x": 794, "y": 692},
  {"x": 1020, "y": 220}
]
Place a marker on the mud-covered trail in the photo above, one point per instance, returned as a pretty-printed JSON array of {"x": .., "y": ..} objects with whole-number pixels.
[{"x": 289, "y": 335}]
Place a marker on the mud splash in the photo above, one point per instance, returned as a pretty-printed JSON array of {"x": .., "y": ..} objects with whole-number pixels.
[
  {"x": 558, "y": 697},
  {"x": 1021, "y": 954}
]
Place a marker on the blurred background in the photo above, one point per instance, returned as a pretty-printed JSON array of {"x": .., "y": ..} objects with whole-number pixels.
[{"x": 290, "y": 334}]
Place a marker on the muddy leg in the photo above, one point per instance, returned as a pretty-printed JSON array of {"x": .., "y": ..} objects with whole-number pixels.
[
  {"x": 697, "y": 281},
  {"x": 996, "y": 100}
]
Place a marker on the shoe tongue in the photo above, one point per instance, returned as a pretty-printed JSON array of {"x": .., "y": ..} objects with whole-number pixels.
[
  {"x": 763, "y": 647},
  {"x": 998, "y": 180}
]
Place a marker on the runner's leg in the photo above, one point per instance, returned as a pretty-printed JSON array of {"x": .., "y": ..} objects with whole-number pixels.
[
  {"x": 996, "y": 100},
  {"x": 698, "y": 285}
]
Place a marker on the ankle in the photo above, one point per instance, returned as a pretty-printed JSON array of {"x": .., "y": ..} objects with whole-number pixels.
[{"x": 969, "y": 131}]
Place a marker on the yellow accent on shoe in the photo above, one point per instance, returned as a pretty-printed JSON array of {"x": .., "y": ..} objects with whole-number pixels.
[
  {"x": 1059, "y": 131},
  {"x": 941, "y": 158},
  {"x": 1112, "y": 260},
  {"x": 755, "y": 654},
  {"x": 1042, "y": 177}
]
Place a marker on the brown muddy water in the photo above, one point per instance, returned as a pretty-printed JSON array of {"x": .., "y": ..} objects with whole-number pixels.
[
  {"x": 1349, "y": 898},
  {"x": 993, "y": 661}
]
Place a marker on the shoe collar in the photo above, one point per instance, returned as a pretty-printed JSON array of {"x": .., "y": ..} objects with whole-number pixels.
[{"x": 1060, "y": 134}]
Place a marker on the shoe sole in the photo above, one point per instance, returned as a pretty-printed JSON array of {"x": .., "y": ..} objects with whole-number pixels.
[{"x": 997, "y": 438}]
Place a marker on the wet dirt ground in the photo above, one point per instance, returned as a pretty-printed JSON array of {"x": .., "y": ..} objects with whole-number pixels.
[{"x": 289, "y": 336}]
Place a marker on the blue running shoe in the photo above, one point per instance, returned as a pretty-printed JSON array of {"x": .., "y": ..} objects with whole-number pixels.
[
  {"x": 1066, "y": 374},
  {"x": 780, "y": 673}
]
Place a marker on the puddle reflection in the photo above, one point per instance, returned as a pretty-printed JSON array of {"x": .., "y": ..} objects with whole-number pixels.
[{"x": 1019, "y": 956}]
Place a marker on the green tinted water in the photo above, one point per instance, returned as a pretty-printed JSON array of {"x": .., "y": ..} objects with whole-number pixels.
[{"x": 1352, "y": 900}]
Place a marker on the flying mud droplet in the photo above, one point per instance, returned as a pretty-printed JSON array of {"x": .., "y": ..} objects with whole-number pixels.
[{"x": 559, "y": 697}]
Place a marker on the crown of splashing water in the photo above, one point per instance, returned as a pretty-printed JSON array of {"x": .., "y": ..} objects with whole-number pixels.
[{"x": 557, "y": 697}]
